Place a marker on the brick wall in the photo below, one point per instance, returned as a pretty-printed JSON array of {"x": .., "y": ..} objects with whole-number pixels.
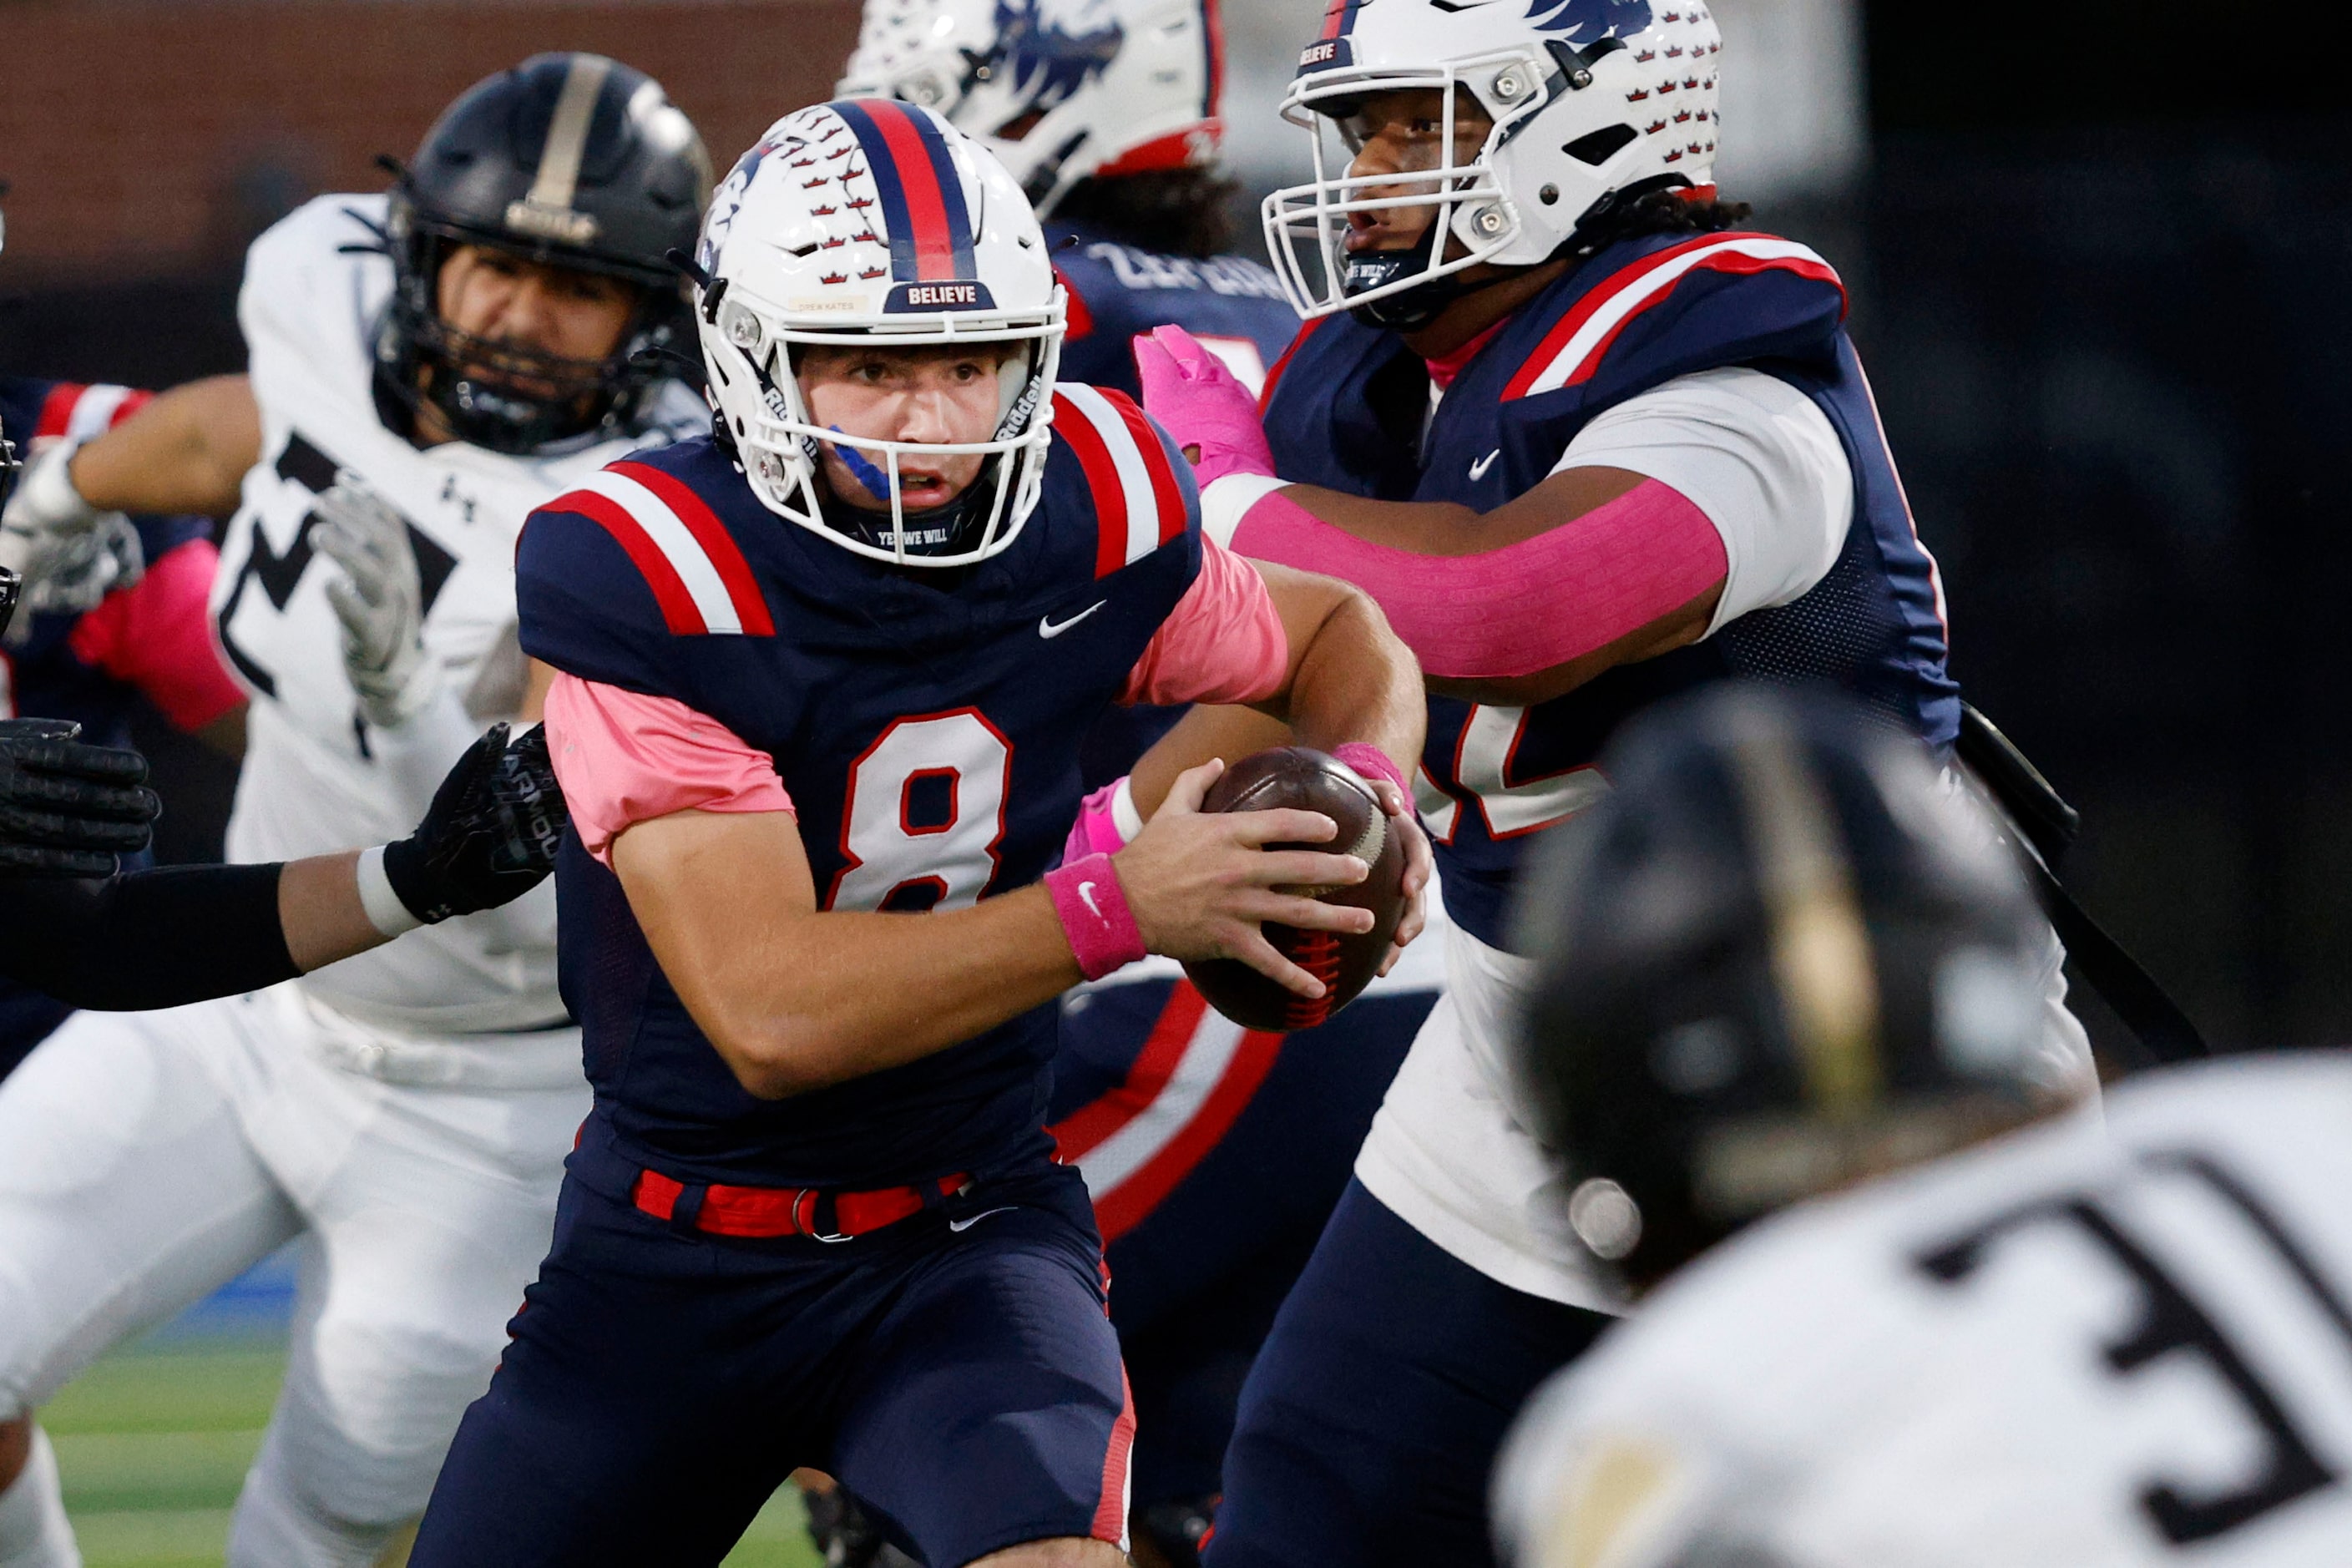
[{"x": 144, "y": 138}]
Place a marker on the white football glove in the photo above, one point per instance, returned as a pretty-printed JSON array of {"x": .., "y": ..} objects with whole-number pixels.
[
  {"x": 378, "y": 598},
  {"x": 70, "y": 554}
]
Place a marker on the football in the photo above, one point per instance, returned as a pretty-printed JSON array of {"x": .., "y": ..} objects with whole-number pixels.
[{"x": 1300, "y": 777}]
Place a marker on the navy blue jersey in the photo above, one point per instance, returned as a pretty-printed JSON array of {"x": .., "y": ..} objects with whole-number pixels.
[
  {"x": 1118, "y": 293},
  {"x": 926, "y": 726},
  {"x": 47, "y": 671},
  {"x": 1347, "y": 411}
]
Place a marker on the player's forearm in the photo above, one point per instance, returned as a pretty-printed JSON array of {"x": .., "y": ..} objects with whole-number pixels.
[
  {"x": 322, "y": 913},
  {"x": 1355, "y": 681},
  {"x": 187, "y": 451},
  {"x": 1564, "y": 579},
  {"x": 818, "y": 999}
]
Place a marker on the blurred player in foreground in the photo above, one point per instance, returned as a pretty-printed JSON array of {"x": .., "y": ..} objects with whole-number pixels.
[
  {"x": 823, "y": 681},
  {"x": 1790, "y": 963},
  {"x": 1213, "y": 1155},
  {"x": 426, "y": 366},
  {"x": 1589, "y": 444}
]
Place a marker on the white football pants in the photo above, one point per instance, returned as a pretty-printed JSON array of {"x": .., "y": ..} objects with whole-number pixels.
[{"x": 146, "y": 1158}]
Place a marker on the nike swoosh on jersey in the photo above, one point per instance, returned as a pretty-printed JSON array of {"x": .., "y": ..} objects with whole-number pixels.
[
  {"x": 965, "y": 1224},
  {"x": 1047, "y": 628},
  {"x": 1478, "y": 469}
]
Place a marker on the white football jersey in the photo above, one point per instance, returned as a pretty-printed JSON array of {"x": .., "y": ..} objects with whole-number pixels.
[
  {"x": 315, "y": 779},
  {"x": 2064, "y": 1350}
]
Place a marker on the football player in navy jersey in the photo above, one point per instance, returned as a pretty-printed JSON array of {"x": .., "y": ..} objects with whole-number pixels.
[
  {"x": 1213, "y": 1154},
  {"x": 821, "y": 683},
  {"x": 122, "y": 620},
  {"x": 1109, "y": 116},
  {"x": 1589, "y": 443}
]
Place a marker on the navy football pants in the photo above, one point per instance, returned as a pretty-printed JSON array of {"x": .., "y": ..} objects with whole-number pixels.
[
  {"x": 1197, "y": 1279},
  {"x": 1372, "y": 1417},
  {"x": 965, "y": 1385}
]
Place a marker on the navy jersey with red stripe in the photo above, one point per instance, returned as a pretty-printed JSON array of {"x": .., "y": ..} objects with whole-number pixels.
[
  {"x": 1231, "y": 304},
  {"x": 1346, "y": 410},
  {"x": 926, "y": 726}
]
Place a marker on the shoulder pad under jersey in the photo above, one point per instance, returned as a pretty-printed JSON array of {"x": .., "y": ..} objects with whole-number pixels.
[
  {"x": 610, "y": 574},
  {"x": 1112, "y": 462},
  {"x": 1668, "y": 306}
]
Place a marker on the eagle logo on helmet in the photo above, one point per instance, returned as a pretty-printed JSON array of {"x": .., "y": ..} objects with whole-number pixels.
[
  {"x": 1049, "y": 60},
  {"x": 1590, "y": 21}
]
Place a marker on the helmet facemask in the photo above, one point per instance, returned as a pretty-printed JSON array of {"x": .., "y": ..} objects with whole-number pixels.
[
  {"x": 782, "y": 444},
  {"x": 1472, "y": 219},
  {"x": 502, "y": 396}
]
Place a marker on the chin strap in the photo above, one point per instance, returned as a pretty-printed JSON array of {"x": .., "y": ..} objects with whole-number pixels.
[{"x": 1412, "y": 309}]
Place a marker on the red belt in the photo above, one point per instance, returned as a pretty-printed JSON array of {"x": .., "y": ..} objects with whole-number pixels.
[{"x": 788, "y": 1211}]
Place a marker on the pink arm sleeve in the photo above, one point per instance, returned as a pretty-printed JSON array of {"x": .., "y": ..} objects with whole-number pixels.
[
  {"x": 157, "y": 636},
  {"x": 623, "y": 758},
  {"x": 1527, "y": 606},
  {"x": 1222, "y": 643}
]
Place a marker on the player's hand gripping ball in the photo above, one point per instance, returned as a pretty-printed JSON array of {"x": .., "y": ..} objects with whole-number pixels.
[{"x": 1300, "y": 778}]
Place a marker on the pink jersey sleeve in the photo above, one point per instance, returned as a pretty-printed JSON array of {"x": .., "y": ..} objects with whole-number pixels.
[
  {"x": 623, "y": 758},
  {"x": 1222, "y": 643},
  {"x": 157, "y": 636}
]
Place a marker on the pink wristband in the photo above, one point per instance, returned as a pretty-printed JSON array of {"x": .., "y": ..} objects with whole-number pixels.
[
  {"x": 1092, "y": 908},
  {"x": 1372, "y": 763}
]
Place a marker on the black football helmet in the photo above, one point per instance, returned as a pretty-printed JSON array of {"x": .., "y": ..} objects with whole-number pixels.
[
  {"x": 571, "y": 159},
  {"x": 1783, "y": 955}
]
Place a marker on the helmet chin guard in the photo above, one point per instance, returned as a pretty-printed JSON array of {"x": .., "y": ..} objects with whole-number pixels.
[
  {"x": 875, "y": 224},
  {"x": 1589, "y": 101}
]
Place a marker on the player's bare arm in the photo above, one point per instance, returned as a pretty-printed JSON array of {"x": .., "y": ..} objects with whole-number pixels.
[{"x": 187, "y": 451}]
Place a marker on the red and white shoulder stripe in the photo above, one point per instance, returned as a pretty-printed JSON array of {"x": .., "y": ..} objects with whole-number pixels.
[
  {"x": 696, "y": 570},
  {"x": 1139, "y": 504},
  {"x": 80, "y": 413},
  {"x": 1572, "y": 352}
]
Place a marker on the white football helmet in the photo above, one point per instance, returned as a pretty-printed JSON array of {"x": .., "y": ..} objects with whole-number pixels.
[
  {"x": 1593, "y": 102},
  {"x": 878, "y": 222},
  {"x": 1058, "y": 90}
]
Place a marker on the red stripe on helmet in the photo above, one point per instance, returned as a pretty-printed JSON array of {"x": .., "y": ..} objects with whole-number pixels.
[{"x": 926, "y": 209}]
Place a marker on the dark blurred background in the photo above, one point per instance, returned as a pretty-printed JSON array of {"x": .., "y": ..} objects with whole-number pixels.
[{"x": 2101, "y": 254}]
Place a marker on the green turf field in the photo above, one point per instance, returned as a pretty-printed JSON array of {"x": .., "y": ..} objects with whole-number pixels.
[{"x": 153, "y": 1441}]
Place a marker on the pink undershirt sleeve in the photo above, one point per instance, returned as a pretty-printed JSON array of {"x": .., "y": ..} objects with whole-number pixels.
[
  {"x": 1222, "y": 643},
  {"x": 1527, "y": 606},
  {"x": 624, "y": 758},
  {"x": 157, "y": 636}
]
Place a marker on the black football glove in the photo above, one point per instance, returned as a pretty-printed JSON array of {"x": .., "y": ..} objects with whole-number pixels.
[
  {"x": 489, "y": 836},
  {"x": 68, "y": 809}
]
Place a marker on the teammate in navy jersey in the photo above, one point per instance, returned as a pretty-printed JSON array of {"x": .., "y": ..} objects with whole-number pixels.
[
  {"x": 821, "y": 682},
  {"x": 122, "y": 622},
  {"x": 1212, "y": 1155},
  {"x": 1589, "y": 443}
]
